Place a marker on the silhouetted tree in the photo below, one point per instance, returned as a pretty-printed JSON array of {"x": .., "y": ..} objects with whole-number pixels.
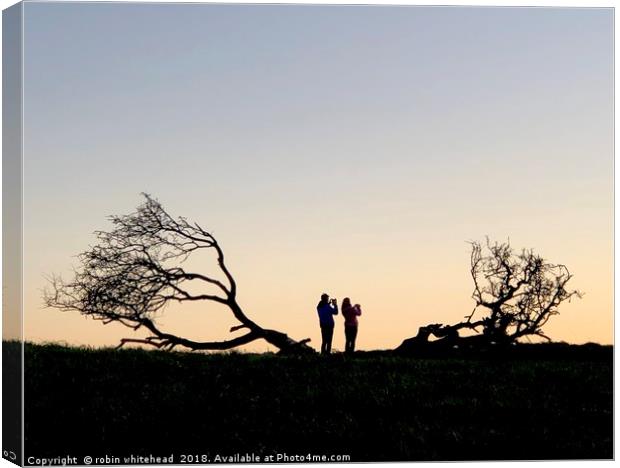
[
  {"x": 134, "y": 272},
  {"x": 518, "y": 292}
]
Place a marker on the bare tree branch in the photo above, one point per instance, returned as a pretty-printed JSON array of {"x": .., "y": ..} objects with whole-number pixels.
[
  {"x": 132, "y": 274},
  {"x": 516, "y": 292}
]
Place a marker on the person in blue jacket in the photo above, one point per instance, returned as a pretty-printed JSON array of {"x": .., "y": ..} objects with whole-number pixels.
[{"x": 327, "y": 309}]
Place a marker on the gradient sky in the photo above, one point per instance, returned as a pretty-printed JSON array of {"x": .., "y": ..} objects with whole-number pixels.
[{"x": 346, "y": 149}]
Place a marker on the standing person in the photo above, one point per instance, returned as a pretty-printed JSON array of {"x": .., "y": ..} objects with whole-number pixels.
[
  {"x": 350, "y": 314},
  {"x": 327, "y": 309}
]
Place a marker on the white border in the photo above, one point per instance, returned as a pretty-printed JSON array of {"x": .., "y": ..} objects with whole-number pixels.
[{"x": 480, "y": 3}]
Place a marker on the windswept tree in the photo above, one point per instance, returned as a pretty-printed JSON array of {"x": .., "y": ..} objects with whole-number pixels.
[
  {"x": 137, "y": 269},
  {"x": 515, "y": 295}
]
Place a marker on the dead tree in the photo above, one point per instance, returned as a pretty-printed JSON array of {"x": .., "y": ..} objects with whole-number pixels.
[
  {"x": 517, "y": 293},
  {"x": 135, "y": 271}
]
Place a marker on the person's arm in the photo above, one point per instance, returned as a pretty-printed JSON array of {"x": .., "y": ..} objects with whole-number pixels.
[{"x": 358, "y": 309}]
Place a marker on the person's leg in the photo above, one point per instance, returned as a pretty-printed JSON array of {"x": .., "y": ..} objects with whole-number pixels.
[
  {"x": 348, "y": 343},
  {"x": 330, "y": 336},
  {"x": 353, "y": 338},
  {"x": 323, "y": 339}
]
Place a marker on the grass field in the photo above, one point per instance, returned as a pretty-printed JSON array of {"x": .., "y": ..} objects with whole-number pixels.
[{"x": 372, "y": 407}]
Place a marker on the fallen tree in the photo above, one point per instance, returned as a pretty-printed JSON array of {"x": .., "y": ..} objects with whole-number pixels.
[
  {"x": 517, "y": 292},
  {"x": 134, "y": 272}
]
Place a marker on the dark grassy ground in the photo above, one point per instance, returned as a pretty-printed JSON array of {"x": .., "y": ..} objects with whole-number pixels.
[{"x": 375, "y": 406}]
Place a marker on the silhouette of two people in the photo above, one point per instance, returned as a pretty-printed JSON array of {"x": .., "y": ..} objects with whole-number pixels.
[{"x": 327, "y": 308}]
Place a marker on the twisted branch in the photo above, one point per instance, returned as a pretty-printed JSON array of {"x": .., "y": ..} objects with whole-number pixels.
[{"x": 132, "y": 274}]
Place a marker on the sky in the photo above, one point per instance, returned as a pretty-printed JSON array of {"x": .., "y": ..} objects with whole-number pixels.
[{"x": 353, "y": 150}]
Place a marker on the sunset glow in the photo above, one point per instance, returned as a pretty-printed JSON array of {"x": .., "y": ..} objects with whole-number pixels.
[{"x": 348, "y": 150}]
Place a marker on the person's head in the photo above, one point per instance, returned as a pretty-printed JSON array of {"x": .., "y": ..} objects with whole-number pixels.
[
  {"x": 346, "y": 302},
  {"x": 324, "y": 298}
]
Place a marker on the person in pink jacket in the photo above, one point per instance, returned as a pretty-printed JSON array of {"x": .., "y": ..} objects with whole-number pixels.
[{"x": 350, "y": 313}]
